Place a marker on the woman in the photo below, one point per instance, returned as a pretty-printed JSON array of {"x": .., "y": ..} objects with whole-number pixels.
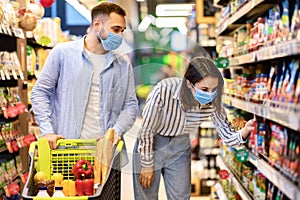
[{"x": 174, "y": 109}]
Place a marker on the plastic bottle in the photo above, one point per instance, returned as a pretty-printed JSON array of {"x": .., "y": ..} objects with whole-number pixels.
[
  {"x": 58, "y": 192},
  {"x": 42, "y": 192}
]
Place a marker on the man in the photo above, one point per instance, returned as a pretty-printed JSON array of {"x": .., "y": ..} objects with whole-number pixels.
[{"x": 84, "y": 88}]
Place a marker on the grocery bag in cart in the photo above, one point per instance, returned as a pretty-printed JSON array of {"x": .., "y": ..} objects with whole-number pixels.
[{"x": 62, "y": 160}]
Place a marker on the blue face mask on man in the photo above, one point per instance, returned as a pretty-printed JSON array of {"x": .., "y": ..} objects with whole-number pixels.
[
  {"x": 112, "y": 41},
  {"x": 204, "y": 97}
]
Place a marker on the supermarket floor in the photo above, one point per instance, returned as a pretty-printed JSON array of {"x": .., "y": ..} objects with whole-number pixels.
[{"x": 126, "y": 184}]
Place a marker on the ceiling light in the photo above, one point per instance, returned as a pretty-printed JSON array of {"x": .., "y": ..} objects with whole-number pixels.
[
  {"x": 174, "y": 9},
  {"x": 145, "y": 23}
]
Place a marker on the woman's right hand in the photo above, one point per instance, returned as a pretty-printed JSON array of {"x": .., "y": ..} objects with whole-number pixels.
[
  {"x": 52, "y": 138},
  {"x": 146, "y": 176}
]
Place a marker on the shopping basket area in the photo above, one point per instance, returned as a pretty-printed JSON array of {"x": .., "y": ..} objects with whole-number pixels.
[{"x": 62, "y": 160}]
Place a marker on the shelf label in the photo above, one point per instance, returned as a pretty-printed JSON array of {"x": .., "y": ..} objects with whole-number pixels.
[
  {"x": 18, "y": 32},
  {"x": 14, "y": 74},
  {"x": 2, "y": 74},
  {"x": 242, "y": 155}
]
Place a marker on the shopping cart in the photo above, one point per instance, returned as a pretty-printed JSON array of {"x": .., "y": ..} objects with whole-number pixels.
[{"x": 62, "y": 159}]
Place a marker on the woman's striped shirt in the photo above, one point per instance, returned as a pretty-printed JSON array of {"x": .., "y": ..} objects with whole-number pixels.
[{"x": 164, "y": 115}]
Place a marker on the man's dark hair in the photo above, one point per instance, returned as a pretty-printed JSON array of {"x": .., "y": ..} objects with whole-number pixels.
[{"x": 106, "y": 8}]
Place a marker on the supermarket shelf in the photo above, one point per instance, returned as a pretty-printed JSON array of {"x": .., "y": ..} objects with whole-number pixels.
[
  {"x": 32, "y": 42},
  {"x": 284, "y": 184},
  {"x": 234, "y": 180},
  {"x": 243, "y": 59},
  {"x": 3, "y": 149},
  {"x": 288, "y": 48},
  {"x": 250, "y": 10},
  {"x": 286, "y": 116},
  {"x": 208, "y": 43},
  {"x": 283, "y": 49},
  {"x": 220, "y": 191}
]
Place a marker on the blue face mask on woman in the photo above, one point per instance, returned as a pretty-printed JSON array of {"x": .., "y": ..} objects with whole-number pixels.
[
  {"x": 204, "y": 97},
  {"x": 112, "y": 41}
]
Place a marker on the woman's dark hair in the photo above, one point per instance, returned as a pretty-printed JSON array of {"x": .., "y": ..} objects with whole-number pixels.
[
  {"x": 198, "y": 68},
  {"x": 105, "y": 9}
]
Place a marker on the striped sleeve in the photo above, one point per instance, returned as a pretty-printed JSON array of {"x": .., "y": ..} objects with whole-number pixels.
[
  {"x": 226, "y": 132},
  {"x": 151, "y": 119}
]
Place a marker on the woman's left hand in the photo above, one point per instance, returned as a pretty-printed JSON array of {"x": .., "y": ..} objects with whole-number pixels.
[
  {"x": 146, "y": 176},
  {"x": 249, "y": 126}
]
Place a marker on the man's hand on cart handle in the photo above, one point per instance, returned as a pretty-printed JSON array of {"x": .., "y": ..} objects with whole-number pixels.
[
  {"x": 117, "y": 138},
  {"x": 52, "y": 138}
]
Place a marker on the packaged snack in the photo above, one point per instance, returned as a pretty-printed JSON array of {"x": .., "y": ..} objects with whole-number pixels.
[{"x": 291, "y": 86}]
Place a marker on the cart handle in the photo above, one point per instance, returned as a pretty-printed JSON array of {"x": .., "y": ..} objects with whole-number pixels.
[
  {"x": 73, "y": 142},
  {"x": 32, "y": 147}
]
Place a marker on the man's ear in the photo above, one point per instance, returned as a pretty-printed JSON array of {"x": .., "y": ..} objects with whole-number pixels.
[{"x": 97, "y": 23}]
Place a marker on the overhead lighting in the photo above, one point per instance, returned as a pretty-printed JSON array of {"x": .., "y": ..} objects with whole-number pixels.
[
  {"x": 145, "y": 23},
  {"x": 174, "y": 9},
  {"x": 140, "y": 0}
]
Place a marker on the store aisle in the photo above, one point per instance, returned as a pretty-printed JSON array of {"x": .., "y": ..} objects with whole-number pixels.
[{"x": 126, "y": 179}]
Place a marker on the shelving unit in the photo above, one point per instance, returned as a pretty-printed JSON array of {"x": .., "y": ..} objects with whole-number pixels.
[
  {"x": 251, "y": 9},
  {"x": 288, "y": 48},
  {"x": 284, "y": 114},
  {"x": 13, "y": 39},
  {"x": 284, "y": 184},
  {"x": 220, "y": 191},
  {"x": 243, "y": 192}
]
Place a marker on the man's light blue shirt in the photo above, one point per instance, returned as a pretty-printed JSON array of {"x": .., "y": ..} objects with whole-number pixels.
[{"x": 60, "y": 95}]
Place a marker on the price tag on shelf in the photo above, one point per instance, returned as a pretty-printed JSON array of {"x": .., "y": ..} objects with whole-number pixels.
[
  {"x": 14, "y": 74},
  {"x": 9, "y": 31},
  {"x": 2, "y": 74},
  {"x": 18, "y": 32},
  {"x": 6, "y": 74},
  {"x": 3, "y": 29}
]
